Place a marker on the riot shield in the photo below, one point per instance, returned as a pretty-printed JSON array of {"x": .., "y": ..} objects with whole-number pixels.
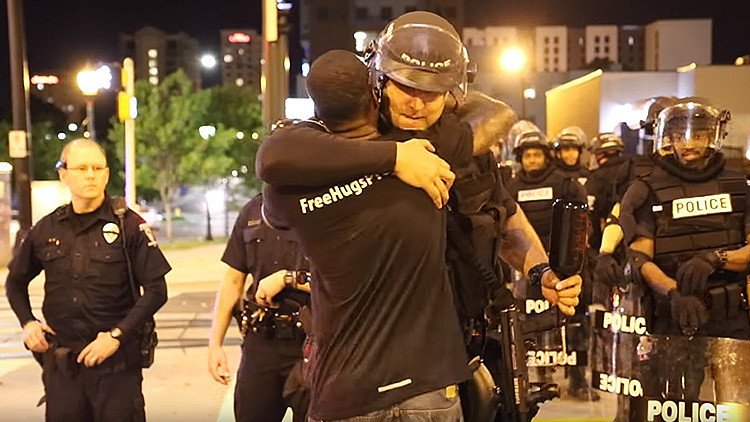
[{"x": 670, "y": 378}]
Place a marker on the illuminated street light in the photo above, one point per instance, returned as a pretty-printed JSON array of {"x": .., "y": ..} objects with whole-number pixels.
[
  {"x": 90, "y": 82},
  {"x": 208, "y": 61},
  {"x": 513, "y": 60}
]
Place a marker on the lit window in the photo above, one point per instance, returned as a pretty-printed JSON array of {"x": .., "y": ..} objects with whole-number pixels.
[
  {"x": 228, "y": 58},
  {"x": 152, "y": 53},
  {"x": 153, "y": 71},
  {"x": 239, "y": 82},
  {"x": 152, "y": 63},
  {"x": 631, "y": 41},
  {"x": 241, "y": 51},
  {"x": 153, "y": 80}
]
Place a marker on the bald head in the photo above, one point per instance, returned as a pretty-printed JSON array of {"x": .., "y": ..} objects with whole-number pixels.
[
  {"x": 339, "y": 85},
  {"x": 80, "y": 142}
]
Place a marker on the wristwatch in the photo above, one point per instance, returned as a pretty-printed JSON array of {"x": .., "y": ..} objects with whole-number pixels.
[
  {"x": 116, "y": 334},
  {"x": 296, "y": 278},
  {"x": 536, "y": 272}
]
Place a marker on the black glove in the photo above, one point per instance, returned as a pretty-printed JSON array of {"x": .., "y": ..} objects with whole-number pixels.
[
  {"x": 692, "y": 276},
  {"x": 688, "y": 310},
  {"x": 608, "y": 271}
]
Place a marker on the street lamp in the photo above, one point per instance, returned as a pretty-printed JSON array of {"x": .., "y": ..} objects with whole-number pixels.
[
  {"x": 90, "y": 82},
  {"x": 513, "y": 60}
]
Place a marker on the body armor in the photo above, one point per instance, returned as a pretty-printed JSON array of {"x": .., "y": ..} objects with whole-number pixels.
[{"x": 535, "y": 194}]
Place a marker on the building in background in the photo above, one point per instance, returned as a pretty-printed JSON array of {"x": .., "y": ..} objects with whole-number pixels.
[
  {"x": 241, "y": 52},
  {"x": 674, "y": 43},
  {"x": 556, "y": 54},
  {"x": 331, "y": 24},
  {"x": 157, "y": 54}
]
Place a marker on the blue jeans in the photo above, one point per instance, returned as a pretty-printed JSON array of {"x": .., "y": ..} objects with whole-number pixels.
[{"x": 434, "y": 406}]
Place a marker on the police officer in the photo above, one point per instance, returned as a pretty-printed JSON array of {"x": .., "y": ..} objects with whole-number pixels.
[
  {"x": 567, "y": 149},
  {"x": 535, "y": 187},
  {"x": 90, "y": 332},
  {"x": 538, "y": 182},
  {"x": 686, "y": 226},
  {"x": 270, "y": 320}
]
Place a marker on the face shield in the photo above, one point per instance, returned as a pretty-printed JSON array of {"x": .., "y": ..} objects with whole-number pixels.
[{"x": 690, "y": 125}]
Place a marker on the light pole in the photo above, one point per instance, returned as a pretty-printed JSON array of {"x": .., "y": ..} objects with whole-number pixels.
[
  {"x": 90, "y": 82},
  {"x": 513, "y": 60}
]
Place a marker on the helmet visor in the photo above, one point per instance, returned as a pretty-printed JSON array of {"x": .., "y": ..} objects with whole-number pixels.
[{"x": 689, "y": 125}]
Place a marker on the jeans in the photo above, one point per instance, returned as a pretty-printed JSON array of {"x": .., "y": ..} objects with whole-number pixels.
[{"x": 434, "y": 406}]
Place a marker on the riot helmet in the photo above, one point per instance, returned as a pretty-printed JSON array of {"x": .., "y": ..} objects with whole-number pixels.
[
  {"x": 525, "y": 134},
  {"x": 420, "y": 50},
  {"x": 571, "y": 136},
  {"x": 690, "y": 123},
  {"x": 607, "y": 143}
]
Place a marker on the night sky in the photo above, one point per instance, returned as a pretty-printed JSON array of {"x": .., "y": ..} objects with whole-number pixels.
[{"x": 66, "y": 33}]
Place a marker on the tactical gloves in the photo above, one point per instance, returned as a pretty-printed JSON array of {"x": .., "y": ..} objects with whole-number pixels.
[
  {"x": 692, "y": 276},
  {"x": 608, "y": 271},
  {"x": 689, "y": 311}
]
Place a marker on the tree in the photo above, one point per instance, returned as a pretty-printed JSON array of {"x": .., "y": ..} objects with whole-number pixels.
[{"x": 170, "y": 152}]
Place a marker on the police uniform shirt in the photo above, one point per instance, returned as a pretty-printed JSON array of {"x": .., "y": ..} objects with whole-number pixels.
[
  {"x": 86, "y": 288},
  {"x": 256, "y": 249}
]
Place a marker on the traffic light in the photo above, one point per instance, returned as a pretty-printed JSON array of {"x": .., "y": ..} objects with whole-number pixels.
[{"x": 127, "y": 105}]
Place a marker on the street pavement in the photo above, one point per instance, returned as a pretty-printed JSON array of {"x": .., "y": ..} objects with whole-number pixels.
[{"x": 178, "y": 387}]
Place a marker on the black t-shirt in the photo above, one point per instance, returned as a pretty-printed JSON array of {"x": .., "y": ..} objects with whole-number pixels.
[
  {"x": 87, "y": 289},
  {"x": 384, "y": 324}
]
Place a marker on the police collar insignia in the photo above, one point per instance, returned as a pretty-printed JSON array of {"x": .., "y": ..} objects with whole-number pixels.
[
  {"x": 146, "y": 229},
  {"x": 110, "y": 231}
]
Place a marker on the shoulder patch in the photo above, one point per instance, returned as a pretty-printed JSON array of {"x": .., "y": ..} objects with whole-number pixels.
[{"x": 146, "y": 229}]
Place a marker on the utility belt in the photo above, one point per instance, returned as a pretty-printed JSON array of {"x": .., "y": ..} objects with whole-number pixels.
[{"x": 273, "y": 323}]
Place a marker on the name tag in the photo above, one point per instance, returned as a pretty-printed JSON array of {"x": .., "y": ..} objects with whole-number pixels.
[
  {"x": 541, "y": 194},
  {"x": 701, "y": 205}
]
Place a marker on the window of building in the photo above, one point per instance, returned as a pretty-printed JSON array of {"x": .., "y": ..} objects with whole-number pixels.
[
  {"x": 228, "y": 58},
  {"x": 596, "y": 49},
  {"x": 580, "y": 40},
  {"x": 556, "y": 40},
  {"x": 450, "y": 11},
  {"x": 606, "y": 49},
  {"x": 239, "y": 82},
  {"x": 606, "y": 39},
  {"x": 360, "y": 13},
  {"x": 556, "y": 50},
  {"x": 555, "y": 69},
  {"x": 546, "y": 60},
  {"x": 386, "y": 13},
  {"x": 597, "y": 39},
  {"x": 546, "y": 50},
  {"x": 556, "y": 60},
  {"x": 153, "y": 53},
  {"x": 546, "y": 40},
  {"x": 321, "y": 13},
  {"x": 631, "y": 41}
]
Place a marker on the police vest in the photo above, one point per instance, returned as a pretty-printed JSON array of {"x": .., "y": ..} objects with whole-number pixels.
[
  {"x": 536, "y": 195},
  {"x": 696, "y": 216}
]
